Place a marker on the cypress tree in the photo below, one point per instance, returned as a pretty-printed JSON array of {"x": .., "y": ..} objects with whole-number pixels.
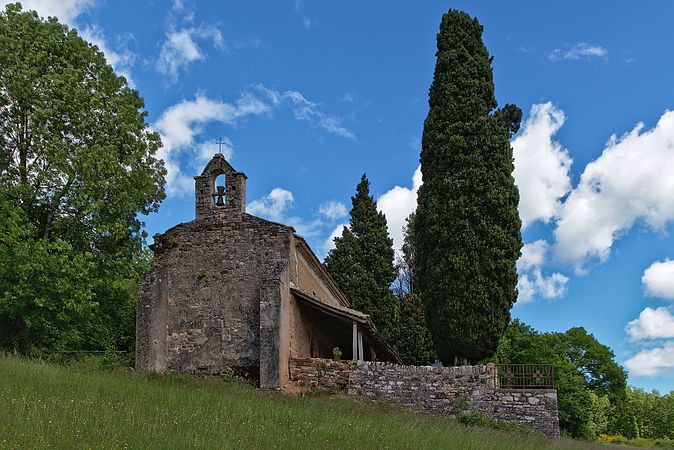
[
  {"x": 362, "y": 262},
  {"x": 467, "y": 226}
]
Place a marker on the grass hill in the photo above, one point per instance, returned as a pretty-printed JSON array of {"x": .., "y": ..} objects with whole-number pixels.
[{"x": 48, "y": 405}]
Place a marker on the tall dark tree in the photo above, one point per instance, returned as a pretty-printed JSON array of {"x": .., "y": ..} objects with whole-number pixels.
[
  {"x": 77, "y": 171},
  {"x": 467, "y": 225},
  {"x": 362, "y": 262}
]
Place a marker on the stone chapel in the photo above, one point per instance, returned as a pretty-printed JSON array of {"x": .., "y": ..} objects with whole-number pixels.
[{"x": 233, "y": 293}]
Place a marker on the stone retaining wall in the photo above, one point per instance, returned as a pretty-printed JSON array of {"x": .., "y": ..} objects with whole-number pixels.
[
  {"x": 443, "y": 391},
  {"x": 308, "y": 374}
]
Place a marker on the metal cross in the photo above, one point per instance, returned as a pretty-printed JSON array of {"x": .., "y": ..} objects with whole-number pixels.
[{"x": 220, "y": 143}]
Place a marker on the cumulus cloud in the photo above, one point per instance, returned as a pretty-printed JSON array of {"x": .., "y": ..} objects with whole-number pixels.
[
  {"x": 333, "y": 210},
  {"x": 181, "y": 123},
  {"x": 121, "y": 59},
  {"x": 532, "y": 282},
  {"x": 533, "y": 255},
  {"x": 658, "y": 279},
  {"x": 397, "y": 204},
  {"x": 652, "y": 362},
  {"x": 582, "y": 50},
  {"x": 306, "y": 110},
  {"x": 651, "y": 324},
  {"x": 181, "y": 48},
  {"x": 541, "y": 165},
  {"x": 273, "y": 205},
  {"x": 277, "y": 206},
  {"x": 630, "y": 181},
  {"x": 65, "y": 10}
]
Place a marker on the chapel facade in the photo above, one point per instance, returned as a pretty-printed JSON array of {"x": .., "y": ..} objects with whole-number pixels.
[{"x": 233, "y": 293}]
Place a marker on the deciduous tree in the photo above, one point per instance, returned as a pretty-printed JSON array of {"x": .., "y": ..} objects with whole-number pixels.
[{"x": 77, "y": 170}]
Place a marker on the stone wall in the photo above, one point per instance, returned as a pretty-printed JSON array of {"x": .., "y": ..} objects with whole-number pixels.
[
  {"x": 443, "y": 391},
  {"x": 533, "y": 408},
  {"x": 308, "y": 374},
  {"x": 199, "y": 308}
]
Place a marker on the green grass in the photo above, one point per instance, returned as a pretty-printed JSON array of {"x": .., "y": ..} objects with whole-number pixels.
[{"x": 49, "y": 405}]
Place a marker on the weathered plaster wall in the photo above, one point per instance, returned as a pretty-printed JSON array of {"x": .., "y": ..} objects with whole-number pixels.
[
  {"x": 299, "y": 332},
  {"x": 151, "y": 313},
  {"x": 446, "y": 391},
  {"x": 210, "y": 276},
  {"x": 308, "y": 274}
]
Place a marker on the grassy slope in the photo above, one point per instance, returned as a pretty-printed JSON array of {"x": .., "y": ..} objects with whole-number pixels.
[{"x": 45, "y": 405}]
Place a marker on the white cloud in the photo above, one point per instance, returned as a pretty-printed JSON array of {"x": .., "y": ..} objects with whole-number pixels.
[
  {"x": 631, "y": 180},
  {"x": 178, "y": 5},
  {"x": 329, "y": 243},
  {"x": 304, "y": 109},
  {"x": 652, "y": 362},
  {"x": 276, "y": 206},
  {"x": 65, "y": 10},
  {"x": 333, "y": 210},
  {"x": 273, "y": 205},
  {"x": 180, "y": 48},
  {"x": 581, "y": 50},
  {"x": 533, "y": 255},
  {"x": 658, "y": 279},
  {"x": 651, "y": 324},
  {"x": 397, "y": 204},
  {"x": 532, "y": 282},
  {"x": 541, "y": 165},
  {"x": 180, "y": 123},
  {"x": 122, "y": 60}
]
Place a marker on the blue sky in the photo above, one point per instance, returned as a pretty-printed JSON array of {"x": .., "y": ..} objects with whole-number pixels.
[{"x": 309, "y": 95}]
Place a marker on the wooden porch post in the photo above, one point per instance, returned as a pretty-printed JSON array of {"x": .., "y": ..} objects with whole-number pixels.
[
  {"x": 354, "y": 354},
  {"x": 361, "y": 355}
]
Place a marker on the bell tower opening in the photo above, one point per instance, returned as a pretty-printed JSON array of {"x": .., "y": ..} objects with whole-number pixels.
[{"x": 220, "y": 189}]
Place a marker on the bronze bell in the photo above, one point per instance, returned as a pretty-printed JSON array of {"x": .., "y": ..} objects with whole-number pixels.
[{"x": 220, "y": 196}]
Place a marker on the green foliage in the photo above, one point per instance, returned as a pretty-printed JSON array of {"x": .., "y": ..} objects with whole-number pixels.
[
  {"x": 599, "y": 414},
  {"x": 642, "y": 414},
  {"x": 413, "y": 341},
  {"x": 362, "y": 262},
  {"x": 587, "y": 378},
  {"x": 77, "y": 169},
  {"x": 467, "y": 226},
  {"x": 336, "y": 353},
  {"x": 636, "y": 442},
  {"x": 64, "y": 407}
]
